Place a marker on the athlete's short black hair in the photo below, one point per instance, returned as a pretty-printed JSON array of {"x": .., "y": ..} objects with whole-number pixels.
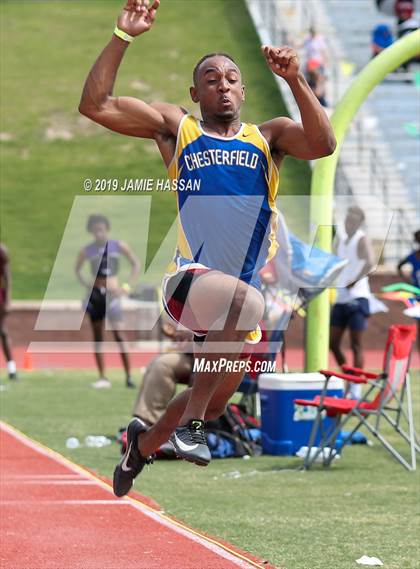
[
  {"x": 205, "y": 57},
  {"x": 97, "y": 218}
]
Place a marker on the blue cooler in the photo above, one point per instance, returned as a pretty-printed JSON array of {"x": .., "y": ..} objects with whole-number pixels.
[{"x": 286, "y": 427}]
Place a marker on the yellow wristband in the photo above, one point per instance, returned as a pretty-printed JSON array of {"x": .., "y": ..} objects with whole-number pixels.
[
  {"x": 123, "y": 35},
  {"x": 126, "y": 288}
]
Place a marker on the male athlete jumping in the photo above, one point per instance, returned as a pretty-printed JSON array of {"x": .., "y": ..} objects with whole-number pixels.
[{"x": 226, "y": 230}]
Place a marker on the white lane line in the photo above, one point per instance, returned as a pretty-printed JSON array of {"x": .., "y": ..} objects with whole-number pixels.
[
  {"x": 153, "y": 514},
  {"x": 43, "y": 476},
  {"x": 56, "y": 482},
  {"x": 65, "y": 502}
]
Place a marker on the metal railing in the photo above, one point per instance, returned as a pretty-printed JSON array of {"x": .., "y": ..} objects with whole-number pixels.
[
  {"x": 403, "y": 239},
  {"x": 342, "y": 184}
]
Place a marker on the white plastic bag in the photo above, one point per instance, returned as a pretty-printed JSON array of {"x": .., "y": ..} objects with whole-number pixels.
[
  {"x": 302, "y": 452},
  {"x": 366, "y": 560}
]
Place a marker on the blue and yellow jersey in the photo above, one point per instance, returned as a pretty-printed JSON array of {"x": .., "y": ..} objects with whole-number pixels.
[{"x": 226, "y": 190}]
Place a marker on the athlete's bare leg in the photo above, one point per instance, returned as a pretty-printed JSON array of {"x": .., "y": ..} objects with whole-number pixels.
[
  {"x": 119, "y": 337},
  {"x": 98, "y": 335},
  {"x": 5, "y": 337},
  {"x": 356, "y": 343},
  {"x": 230, "y": 304},
  {"x": 160, "y": 432},
  {"x": 206, "y": 383},
  {"x": 228, "y": 299},
  {"x": 335, "y": 344}
]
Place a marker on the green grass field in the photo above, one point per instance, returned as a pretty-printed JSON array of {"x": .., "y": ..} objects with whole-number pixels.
[
  {"x": 321, "y": 519},
  {"x": 48, "y": 149}
]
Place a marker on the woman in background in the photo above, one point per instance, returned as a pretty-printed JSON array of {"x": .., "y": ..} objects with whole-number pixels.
[
  {"x": 5, "y": 297},
  {"x": 104, "y": 301}
]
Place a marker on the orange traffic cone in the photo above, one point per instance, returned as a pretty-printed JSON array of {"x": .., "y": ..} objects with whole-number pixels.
[{"x": 27, "y": 362}]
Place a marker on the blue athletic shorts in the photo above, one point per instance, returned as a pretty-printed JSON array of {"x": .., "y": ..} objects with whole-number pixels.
[{"x": 351, "y": 315}]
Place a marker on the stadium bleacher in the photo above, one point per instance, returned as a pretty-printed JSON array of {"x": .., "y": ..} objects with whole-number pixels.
[{"x": 379, "y": 160}]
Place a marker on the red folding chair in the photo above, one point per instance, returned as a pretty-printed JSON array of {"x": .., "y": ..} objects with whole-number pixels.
[{"x": 387, "y": 397}]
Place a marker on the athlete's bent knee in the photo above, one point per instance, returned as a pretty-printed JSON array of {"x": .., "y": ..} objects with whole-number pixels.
[{"x": 248, "y": 306}]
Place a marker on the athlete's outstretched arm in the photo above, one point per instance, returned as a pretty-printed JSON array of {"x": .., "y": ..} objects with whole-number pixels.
[
  {"x": 126, "y": 115},
  {"x": 312, "y": 139}
]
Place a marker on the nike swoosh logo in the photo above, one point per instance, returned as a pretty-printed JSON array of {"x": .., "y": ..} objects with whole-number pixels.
[
  {"x": 184, "y": 446},
  {"x": 124, "y": 462}
]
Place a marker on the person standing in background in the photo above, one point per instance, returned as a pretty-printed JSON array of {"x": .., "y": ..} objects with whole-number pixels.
[
  {"x": 382, "y": 38},
  {"x": 316, "y": 59},
  {"x": 413, "y": 260},
  {"x": 104, "y": 301},
  {"x": 5, "y": 298},
  {"x": 316, "y": 80},
  {"x": 351, "y": 309},
  {"x": 407, "y": 23},
  {"x": 315, "y": 48}
]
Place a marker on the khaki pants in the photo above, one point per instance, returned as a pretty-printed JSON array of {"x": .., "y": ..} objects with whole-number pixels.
[{"x": 159, "y": 384}]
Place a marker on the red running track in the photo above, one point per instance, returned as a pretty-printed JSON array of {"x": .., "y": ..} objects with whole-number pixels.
[{"x": 56, "y": 515}]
